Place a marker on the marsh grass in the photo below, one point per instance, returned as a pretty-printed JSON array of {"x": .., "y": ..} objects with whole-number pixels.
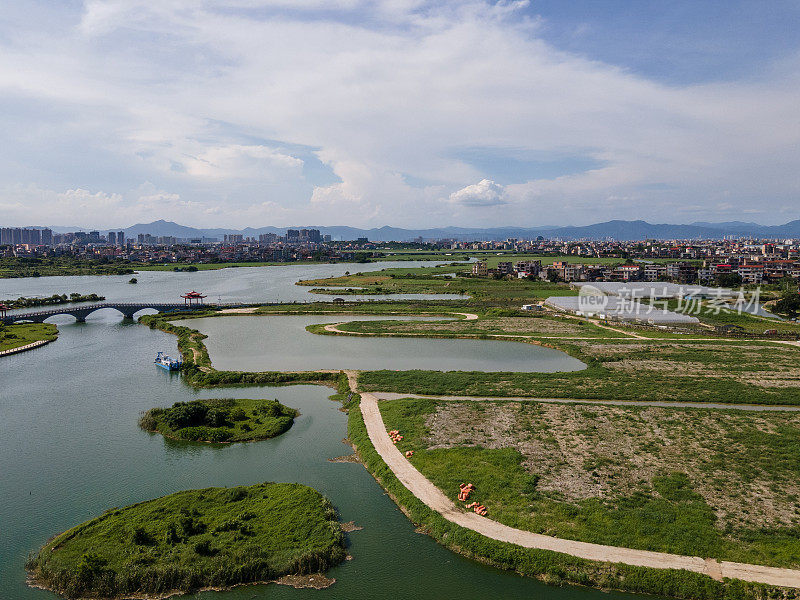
[{"x": 194, "y": 539}]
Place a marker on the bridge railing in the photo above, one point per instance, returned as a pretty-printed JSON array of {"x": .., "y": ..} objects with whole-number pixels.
[{"x": 93, "y": 307}]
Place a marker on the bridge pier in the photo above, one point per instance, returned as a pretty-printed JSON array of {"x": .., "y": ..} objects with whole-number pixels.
[{"x": 128, "y": 310}]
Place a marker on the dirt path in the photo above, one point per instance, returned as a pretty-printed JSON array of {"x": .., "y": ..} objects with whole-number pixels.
[
  {"x": 334, "y": 328},
  {"x": 237, "y": 311},
  {"x": 656, "y": 403},
  {"x": 468, "y": 316},
  {"x": 435, "y": 499}
]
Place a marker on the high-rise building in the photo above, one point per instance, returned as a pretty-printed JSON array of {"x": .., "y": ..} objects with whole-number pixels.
[
  {"x": 47, "y": 237},
  {"x": 310, "y": 235},
  {"x": 112, "y": 238},
  {"x": 292, "y": 235},
  {"x": 267, "y": 238},
  {"x": 120, "y": 238}
]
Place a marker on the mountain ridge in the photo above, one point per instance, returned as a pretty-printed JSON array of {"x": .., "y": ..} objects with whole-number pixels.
[{"x": 615, "y": 229}]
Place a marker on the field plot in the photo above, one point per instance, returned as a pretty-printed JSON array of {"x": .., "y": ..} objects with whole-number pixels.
[
  {"x": 720, "y": 484},
  {"x": 527, "y": 325},
  {"x": 424, "y": 281},
  {"x": 625, "y": 369}
]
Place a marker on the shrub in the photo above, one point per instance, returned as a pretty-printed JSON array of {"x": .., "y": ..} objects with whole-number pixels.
[
  {"x": 203, "y": 548},
  {"x": 218, "y": 417},
  {"x": 142, "y": 538},
  {"x": 202, "y": 433}
]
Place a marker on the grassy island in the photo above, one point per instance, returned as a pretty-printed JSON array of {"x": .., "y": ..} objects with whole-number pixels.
[
  {"x": 220, "y": 420},
  {"x": 215, "y": 537},
  {"x": 22, "y": 334}
]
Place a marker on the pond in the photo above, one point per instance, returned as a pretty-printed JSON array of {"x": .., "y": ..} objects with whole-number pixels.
[{"x": 281, "y": 343}]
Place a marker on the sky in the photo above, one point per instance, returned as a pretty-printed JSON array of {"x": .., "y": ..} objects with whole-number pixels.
[{"x": 409, "y": 113}]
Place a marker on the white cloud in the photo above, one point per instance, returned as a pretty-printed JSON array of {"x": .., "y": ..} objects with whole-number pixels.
[
  {"x": 208, "y": 99},
  {"x": 237, "y": 161},
  {"x": 483, "y": 193}
]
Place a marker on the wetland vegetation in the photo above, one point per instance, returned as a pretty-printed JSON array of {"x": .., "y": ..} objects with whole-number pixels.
[
  {"x": 22, "y": 334},
  {"x": 191, "y": 540},
  {"x": 715, "y": 483},
  {"x": 220, "y": 420}
]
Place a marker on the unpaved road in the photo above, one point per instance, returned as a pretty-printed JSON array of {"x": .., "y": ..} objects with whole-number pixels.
[
  {"x": 435, "y": 499},
  {"x": 657, "y": 403}
]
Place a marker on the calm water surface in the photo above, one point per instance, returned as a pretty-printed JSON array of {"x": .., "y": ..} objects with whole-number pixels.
[
  {"x": 242, "y": 284},
  {"x": 71, "y": 449},
  {"x": 281, "y": 343}
]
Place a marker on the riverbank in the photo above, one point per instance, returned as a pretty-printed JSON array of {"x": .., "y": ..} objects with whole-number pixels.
[
  {"x": 20, "y": 337},
  {"x": 198, "y": 372},
  {"x": 214, "y": 538}
]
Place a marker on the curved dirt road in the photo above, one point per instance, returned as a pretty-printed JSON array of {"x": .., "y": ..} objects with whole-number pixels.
[{"x": 435, "y": 499}]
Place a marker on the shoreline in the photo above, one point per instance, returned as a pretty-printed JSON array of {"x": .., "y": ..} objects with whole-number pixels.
[
  {"x": 26, "y": 347},
  {"x": 317, "y": 581}
]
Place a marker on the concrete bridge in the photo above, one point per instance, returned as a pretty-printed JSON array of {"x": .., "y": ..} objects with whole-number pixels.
[{"x": 128, "y": 309}]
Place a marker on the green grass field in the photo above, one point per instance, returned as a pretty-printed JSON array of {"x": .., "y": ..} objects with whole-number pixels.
[
  {"x": 696, "y": 482},
  {"x": 482, "y": 291},
  {"x": 194, "y": 539},
  {"x": 625, "y": 369},
  {"x": 551, "y": 567},
  {"x": 220, "y": 420},
  {"x": 22, "y": 334}
]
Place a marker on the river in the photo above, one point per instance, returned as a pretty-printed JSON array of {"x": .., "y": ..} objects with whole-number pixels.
[
  {"x": 239, "y": 284},
  {"x": 71, "y": 449}
]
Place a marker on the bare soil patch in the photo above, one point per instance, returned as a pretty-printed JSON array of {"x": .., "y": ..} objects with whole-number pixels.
[{"x": 582, "y": 452}]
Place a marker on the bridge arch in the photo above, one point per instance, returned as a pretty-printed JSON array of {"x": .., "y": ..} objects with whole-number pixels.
[{"x": 128, "y": 310}]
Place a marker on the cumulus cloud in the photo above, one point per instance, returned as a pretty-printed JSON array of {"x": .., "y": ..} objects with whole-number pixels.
[
  {"x": 483, "y": 193},
  {"x": 210, "y": 101}
]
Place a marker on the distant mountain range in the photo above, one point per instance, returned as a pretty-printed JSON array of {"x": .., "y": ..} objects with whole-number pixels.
[{"x": 617, "y": 230}]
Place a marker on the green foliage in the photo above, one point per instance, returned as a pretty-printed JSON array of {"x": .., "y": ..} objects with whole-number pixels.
[
  {"x": 22, "y": 334},
  {"x": 196, "y": 538},
  {"x": 729, "y": 280},
  {"x": 15, "y": 266},
  {"x": 142, "y": 537},
  {"x": 220, "y": 420},
  {"x": 789, "y": 304},
  {"x": 23, "y": 302}
]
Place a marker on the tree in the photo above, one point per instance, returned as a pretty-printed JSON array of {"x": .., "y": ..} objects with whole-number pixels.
[
  {"x": 553, "y": 276},
  {"x": 729, "y": 280},
  {"x": 789, "y": 304}
]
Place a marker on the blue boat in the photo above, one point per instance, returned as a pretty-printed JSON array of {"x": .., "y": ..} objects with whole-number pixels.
[{"x": 165, "y": 362}]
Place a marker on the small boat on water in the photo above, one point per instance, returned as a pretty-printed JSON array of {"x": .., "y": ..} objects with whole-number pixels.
[{"x": 165, "y": 362}]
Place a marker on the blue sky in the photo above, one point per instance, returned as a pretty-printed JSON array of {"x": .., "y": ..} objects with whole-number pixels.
[{"x": 403, "y": 112}]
